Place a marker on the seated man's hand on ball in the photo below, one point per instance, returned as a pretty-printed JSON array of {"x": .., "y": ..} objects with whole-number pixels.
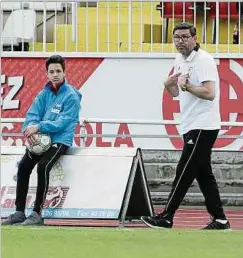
[{"x": 30, "y": 130}]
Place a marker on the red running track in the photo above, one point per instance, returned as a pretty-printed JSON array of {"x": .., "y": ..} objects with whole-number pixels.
[{"x": 185, "y": 218}]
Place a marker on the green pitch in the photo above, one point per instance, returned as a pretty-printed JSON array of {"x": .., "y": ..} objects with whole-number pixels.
[{"x": 72, "y": 242}]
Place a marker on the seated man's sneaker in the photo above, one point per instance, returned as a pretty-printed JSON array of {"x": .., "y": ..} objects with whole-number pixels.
[
  {"x": 218, "y": 225},
  {"x": 33, "y": 219},
  {"x": 15, "y": 218},
  {"x": 157, "y": 221}
]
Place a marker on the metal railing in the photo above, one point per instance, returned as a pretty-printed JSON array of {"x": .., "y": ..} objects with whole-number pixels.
[
  {"x": 140, "y": 122},
  {"x": 132, "y": 27}
]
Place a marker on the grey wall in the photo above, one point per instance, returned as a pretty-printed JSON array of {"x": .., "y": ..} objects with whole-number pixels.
[{"x": 160, "y": 169}]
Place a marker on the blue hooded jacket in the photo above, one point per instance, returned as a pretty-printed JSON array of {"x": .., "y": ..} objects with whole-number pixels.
[{"x": 56, "y": 114}]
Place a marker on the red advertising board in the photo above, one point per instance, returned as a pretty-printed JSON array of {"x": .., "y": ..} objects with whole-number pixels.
[{"x": 118, "y": 88}]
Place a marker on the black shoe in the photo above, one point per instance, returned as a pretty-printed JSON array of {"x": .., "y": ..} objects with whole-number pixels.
[
  {"x": 216, "y": 225},
  {"x": 157, "y": 221},
  {"x": 17, "y": 217}
]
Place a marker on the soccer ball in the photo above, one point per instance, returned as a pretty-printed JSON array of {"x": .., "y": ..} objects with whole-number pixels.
[{"x": 43, "y": 143}]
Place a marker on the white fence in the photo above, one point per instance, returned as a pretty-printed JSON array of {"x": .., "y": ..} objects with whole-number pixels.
[
  {"x": 83, "y": 134},
  {"x": 125, "y": 26}
]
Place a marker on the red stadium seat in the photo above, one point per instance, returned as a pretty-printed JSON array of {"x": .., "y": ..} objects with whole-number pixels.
[
  {"x": 227, "y": 11},
  {"x": 224, "y": 10},
  {"x": 180, "y": 10},
  {"x": 183, "y": 11},
  {"x": 212, "y": 11},
  {"x": 176, "y": 10}
]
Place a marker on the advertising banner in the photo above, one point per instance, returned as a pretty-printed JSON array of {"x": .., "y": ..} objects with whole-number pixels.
[
  {"x": 89, "y": 184},
  {"x": 116, "y": 88}
]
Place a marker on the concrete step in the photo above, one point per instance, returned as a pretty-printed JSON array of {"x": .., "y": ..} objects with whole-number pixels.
[
  {"x": 196, "y": 199},
  {"x": 160, "y": 167},
  {"x": 172, "y": 156}
]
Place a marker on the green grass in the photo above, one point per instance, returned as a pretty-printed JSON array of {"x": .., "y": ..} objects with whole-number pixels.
[{"x": 46, "y": 242}]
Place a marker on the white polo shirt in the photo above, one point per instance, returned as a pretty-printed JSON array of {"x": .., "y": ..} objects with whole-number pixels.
[{"x": 197, "y": 113}]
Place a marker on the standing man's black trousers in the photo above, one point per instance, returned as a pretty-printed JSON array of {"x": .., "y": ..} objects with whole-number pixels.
[
  {"x": 195, "y": 163},
  {"x": 45, "y": 164}
]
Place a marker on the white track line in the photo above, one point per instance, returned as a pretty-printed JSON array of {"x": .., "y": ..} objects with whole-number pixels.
[{"x": 192, "y": 228}]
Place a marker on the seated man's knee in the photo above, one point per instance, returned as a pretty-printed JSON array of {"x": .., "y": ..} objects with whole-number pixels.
[{"x": 24, "y": 167}]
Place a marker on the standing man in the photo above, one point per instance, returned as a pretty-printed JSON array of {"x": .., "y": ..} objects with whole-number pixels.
[
  {"x": 55, "y": 111},
  {"x": 196, "y": 82}
]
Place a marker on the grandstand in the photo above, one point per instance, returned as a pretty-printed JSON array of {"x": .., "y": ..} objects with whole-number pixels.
[{"x": 117, "y": 26}]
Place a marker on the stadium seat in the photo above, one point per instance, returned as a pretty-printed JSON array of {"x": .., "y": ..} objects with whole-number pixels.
[
  {"x": 5, "y": 6},
  {"x": 50, "y": 6},
  {"x": 38, "y": 6},
  {"x": 228, "y": 16},
  {"x": 173, "y": 13},
  {"x": 168, "y": 10},
  {"x": 176, "y": 10},
  {"x": 19, "y": 28},
  {"x": 225, "y": 9}
]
